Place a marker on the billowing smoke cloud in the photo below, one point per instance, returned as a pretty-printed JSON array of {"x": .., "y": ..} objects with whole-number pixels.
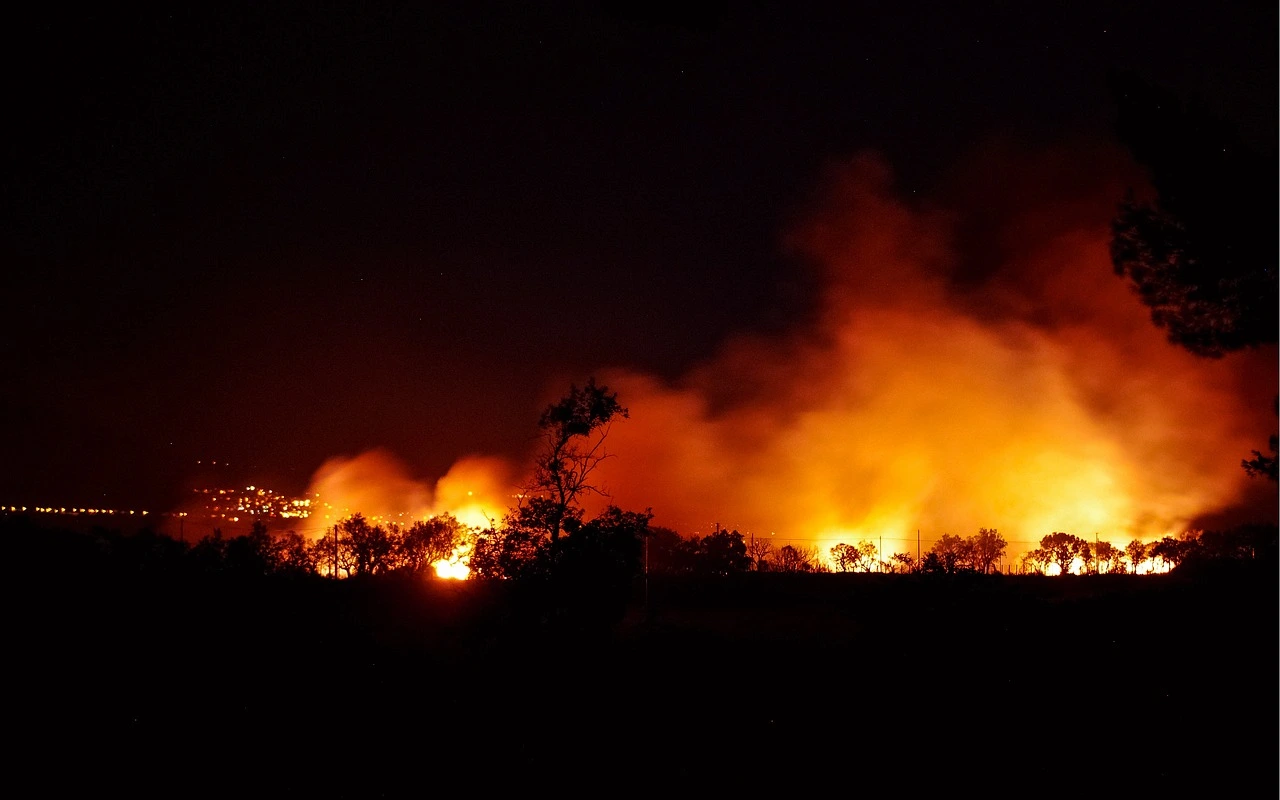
[
  {"x": 1015, "y": 383},
  {"x": 970, "y": 364},
  {"x": 477, "y": 490},
  {"x": 377, "y": 484}
]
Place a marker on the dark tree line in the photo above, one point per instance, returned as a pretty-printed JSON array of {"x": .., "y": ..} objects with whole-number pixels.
[
  {"x": 355, "y": 546},
  {"x": 612, "y": 549},
  {"x": 1244, "y": 543},
  {"x": 719, "y": 553},
  {"x": 547, "y": 537}
]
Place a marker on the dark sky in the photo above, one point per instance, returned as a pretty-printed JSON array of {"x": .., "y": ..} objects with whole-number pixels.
[{"x": 278, "y": 233}]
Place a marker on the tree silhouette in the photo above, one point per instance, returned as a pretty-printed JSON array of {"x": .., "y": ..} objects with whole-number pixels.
[
  {"x": 668, "y": 552},
  {"x": 607, "y": 550},
  {"x": 1107, "y": 558},
  {"x": 1241, "y": 543},
  {"x": 1063, "y": 549},
  {"x": 1036, "y": 560},
  {"x": 986, "y": 548},
  {"x": 861, "y": 558},
  {"x": 1202, "y": 255},
  {"x": 1136, "y": 552},
  {"x": 932, "y": 564},
  {"x": 867, "y": 553},
  {"x": 759, "y": 550},
  {"x": 953, "y": 553},
  {"x": 251, "y": 554},
  {"x": 333, "y": 553},
  {"x": 1170, "y": 551},
  {"x": 427, "y": 541},
  {"x": 1260, "y": 464},
  {"x": 902, "y": 562},
  {"x": 518, "y": 548},
  {"x": 371, "y": 545},
  {"x": 573, "y": 432},
  {"x": 845, "y": 557},
  {"x": 720, "y": 553},
  {"x": 1264, "y": 465},
  {"x": 210, "y": 553},
  {"x": 795, "y": 559},
  {"x": 260, "y": 552},
  {"x": 290, "y": 554}
]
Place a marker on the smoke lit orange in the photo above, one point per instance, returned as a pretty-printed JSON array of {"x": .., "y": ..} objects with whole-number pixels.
[
  {"x": 926, "y": 396},
  {"x": 1037, "y": 399}
]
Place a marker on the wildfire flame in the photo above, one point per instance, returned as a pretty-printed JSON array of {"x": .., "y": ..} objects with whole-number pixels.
[
  {"x": 453, "y": 570},
  {"x": 940, "y": 385},
  {"x": 1032, "y": 395},
  {"x": 375, "y": 483},
  {"x": 378, "y": 485}
]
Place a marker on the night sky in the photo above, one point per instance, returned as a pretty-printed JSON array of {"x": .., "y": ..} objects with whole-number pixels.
[{"x": 275, "y": 234}]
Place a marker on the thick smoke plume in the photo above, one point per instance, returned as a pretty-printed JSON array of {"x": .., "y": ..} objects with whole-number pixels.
[
  {"x": 377, "y": 484},
  {"x": 973, "y": 363},
  {"x": 970, "y": 366}
]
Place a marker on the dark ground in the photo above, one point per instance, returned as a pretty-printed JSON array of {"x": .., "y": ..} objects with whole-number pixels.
[{"x": 807, "y": 684}]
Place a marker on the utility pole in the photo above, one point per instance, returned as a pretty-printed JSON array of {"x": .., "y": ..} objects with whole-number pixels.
[
  {"x": 647, "y": 536},
  {"x": 881, "y": 559},
  {"x": 917, "y": 548},
  {"x": 335, "y": 552}
]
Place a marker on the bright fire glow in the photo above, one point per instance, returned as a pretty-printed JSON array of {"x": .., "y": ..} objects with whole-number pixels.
[
  {"x": 1152, "y": 567},
  {"x": 940, "y": 386},
  {"x": 453, "y": 570},
  {"x": 476, "y": 491},
  {"x": 378, "y": 485},
  {"x": 1027, "y": 392}
]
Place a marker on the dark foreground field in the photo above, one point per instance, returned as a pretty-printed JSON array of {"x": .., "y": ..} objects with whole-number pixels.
[{"x": 819, "y": 684}]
